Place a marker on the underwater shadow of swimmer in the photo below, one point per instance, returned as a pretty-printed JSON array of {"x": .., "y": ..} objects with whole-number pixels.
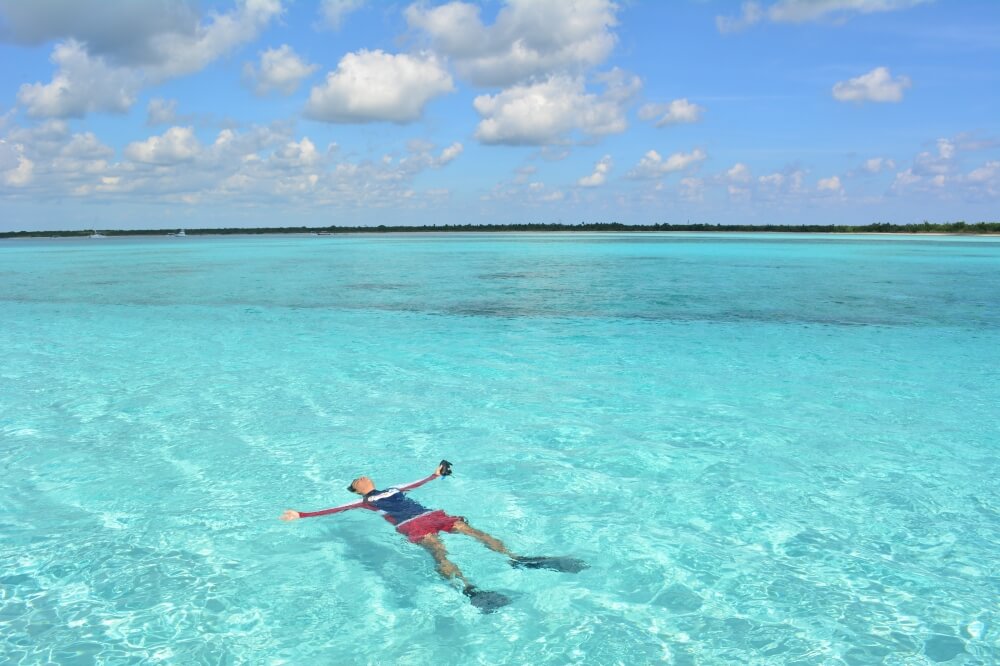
[{"x": 380, "y": 559}]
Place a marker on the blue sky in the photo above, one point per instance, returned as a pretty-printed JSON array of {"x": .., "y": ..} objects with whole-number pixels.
[{"x": 158, "y": 114}]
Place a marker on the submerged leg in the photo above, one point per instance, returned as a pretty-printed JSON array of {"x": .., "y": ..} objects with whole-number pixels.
[
  {"x": 490, "y": 542},
  {"x": 445, "y": 566},
  {"x": 484, "y": 600}
]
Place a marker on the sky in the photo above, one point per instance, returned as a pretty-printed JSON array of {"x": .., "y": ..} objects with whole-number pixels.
[{"x": 245, "y": 113}]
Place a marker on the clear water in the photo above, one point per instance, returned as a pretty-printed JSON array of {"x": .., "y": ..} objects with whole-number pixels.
[{"x": 770, "y": 449}]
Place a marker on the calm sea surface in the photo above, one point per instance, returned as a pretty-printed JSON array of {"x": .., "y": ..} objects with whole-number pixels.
[{"x": 771, "y": 449}]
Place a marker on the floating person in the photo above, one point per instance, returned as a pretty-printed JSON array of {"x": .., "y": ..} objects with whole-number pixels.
[{"x": 422, "y": 525}]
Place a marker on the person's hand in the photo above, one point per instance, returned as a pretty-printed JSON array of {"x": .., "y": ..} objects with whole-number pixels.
[
  {"x": 437, "y": 470},
  {"x": 290, "y": 515}
]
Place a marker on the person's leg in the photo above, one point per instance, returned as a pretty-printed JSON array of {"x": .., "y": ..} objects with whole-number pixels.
[
  {"x": 484, "y": 600},
  {"x": 490, "y": 542},
  {"x": 445, "y": 566}
]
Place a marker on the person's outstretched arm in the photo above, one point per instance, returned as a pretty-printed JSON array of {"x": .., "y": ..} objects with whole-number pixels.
[
  {"x": 292, "y": 514},
  {"x": 417, "y": 484}
]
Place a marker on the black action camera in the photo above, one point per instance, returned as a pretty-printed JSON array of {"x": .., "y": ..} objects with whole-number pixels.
[{"x": 445, "y": 468}]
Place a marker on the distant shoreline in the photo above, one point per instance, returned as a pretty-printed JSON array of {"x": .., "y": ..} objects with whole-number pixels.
[{"x": 926, "y": 228}]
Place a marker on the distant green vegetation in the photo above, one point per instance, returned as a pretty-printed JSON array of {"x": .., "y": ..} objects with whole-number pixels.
[{"x": 878, "y": 227}]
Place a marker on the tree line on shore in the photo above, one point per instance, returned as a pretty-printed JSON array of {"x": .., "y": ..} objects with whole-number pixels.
[{"x": 878, "y": 227}]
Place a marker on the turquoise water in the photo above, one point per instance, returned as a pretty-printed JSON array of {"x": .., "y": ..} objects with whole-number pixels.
[{"x": 770, "y": 449}]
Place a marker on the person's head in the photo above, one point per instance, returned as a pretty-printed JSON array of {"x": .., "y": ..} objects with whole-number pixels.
[{"x": 361, "y": 485}]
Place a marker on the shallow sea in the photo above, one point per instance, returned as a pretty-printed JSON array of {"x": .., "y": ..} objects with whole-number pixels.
[{"x": 771, "y": 449}]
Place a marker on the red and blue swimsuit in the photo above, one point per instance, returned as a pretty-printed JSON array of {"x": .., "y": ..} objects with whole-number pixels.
[{"x": 410, "y": 517}]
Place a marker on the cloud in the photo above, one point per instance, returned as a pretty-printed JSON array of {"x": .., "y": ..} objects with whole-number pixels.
[
  {"x": 281, "y": 70},
  {"x": 927, "y": 168},
  {"x": 161, "y": 111},
  {"x": 333, "y": 12},
  {"x": 831, "y": 185},
  {"x": 48, "y": 159},
  {"x": 750, "y": 14},
  {"x": 256, "y": 166},
  {"x": 16, "y": 170},
  {"x": 371, "y": 86},
  {"x": 780, "y": 184},
  {"x": 652, "y": 165},
  {"x": 109, "y": 51},
  {"x": 600, "y": 174},
  {"x": 547, "y": 111},
  {"x": 180, "y": 53},
  {"x": 177, "y": 144},
  {"x": 296, "y": 154},
  {"x": 985, "y": 180},
  {"x": 450, "y": 153},
  {"x": 931, "y": 171},
  {"x": 875, "y": 86},
  {"x": 82, "y": 84},
  {"x": 672, "y": 113},
  {"x": 739, "y": 173},
  {"x": 988, "y": 172},
  {"x": 122, "y": 32},
  {"x": 878, "y": 165},
  {"x": 942, "y": 177},
  {"x": 738, "y": 180},
  {"x": 692, "y": 189},
  {"x": 904, "y": 179},
  {"x": 531, "y": 194},
  {"x": 530, "y": 38},
  {"x": 802, "y": 11}
]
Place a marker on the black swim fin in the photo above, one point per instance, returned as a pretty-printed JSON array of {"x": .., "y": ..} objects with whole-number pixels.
[
  {"x": 564, "y": 564},
  {"x": 485, "y": 600}
]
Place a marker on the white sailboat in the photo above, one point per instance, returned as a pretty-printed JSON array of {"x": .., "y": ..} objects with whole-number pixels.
[{"x": 96, "y": 234}]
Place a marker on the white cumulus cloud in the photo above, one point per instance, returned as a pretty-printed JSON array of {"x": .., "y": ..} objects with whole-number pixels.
[
  {"x": 875, "y": 86},
  {"x": 82, "y": 84},
  {"x": 22, "y": 170},
  {"x": 529, "y": 38},
  {"x": 780, "y": 185},
  {"x": 984, "y": 181},
  {"x": 372, "y": 86},
  {"x": 831, "y": 184},
  {"x": 296, "y": 154},
  {"x": 739, "y": 173},
  {"x": 672, "y": 113},
  {"x": 333, "y": 12},
  {"x": 449, "y": 153},
  {"x": 547, "y": 111},
  {"x": 933, "y": 169},
  {"x": 281, "y": 70},
  {"x": 878, "y": 165},
  {"x": 109, "y": 51},
  {"x": 600, "y": 174},
  {"x": 177, "y": 53},
  {"x": 652, "y": 164},
  {"x": 51, "y": 158},
  {"x": 177, "y": 144}
]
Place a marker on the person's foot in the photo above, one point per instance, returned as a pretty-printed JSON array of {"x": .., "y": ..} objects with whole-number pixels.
[
  {"x": 485, "y": 600},
  {"x": 564, "y": 564}
]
